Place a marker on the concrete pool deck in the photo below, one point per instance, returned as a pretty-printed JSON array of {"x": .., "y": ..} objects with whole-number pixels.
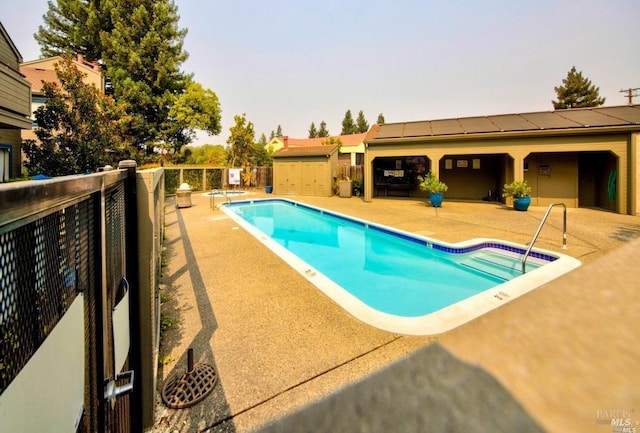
[{"x": 278, "y": 343}]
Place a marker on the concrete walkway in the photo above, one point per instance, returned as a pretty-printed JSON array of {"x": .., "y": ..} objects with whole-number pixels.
[{"x": 277, "y": 342}]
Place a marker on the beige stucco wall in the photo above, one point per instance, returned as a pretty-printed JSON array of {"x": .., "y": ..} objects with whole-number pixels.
[
  {"x": 92, "y": 76},
  {"x": 561, "y": 185}
]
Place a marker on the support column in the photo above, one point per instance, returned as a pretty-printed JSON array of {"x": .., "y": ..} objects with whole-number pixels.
[
  {"x": 518, "y": 166},
  {"x": 368, "y": 177},
  {"x": 434, "y": 159}
]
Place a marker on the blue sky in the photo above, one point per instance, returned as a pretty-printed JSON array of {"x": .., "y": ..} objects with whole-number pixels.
[{"x": 291, "y": 62}]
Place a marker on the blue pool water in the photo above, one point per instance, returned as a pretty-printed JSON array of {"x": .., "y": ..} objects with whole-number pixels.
[{"x": 390, "y": 271}]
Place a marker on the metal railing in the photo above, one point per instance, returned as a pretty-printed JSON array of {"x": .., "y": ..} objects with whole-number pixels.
[{"x": 535, "y": 236}]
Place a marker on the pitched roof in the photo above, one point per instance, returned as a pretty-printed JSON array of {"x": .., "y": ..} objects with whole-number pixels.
[
  {"x": 579, "y": 119},
  {"x": 13, "y": 47},
  {"x": 346, "y": 140},
  {"x": 325, "y": 150},
  {"x": 36, "y": 76}
]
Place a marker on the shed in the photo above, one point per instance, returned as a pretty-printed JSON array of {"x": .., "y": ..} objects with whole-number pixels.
[{"x": 305, "y": 170}]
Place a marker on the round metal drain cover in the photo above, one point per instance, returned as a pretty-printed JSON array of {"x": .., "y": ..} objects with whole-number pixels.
[{"x": 191, "y": 387}]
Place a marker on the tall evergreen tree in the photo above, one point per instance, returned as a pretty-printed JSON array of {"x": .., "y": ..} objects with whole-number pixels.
[
  {"x": 361, "y": 123},
  {"x": 141, "y": 45},
  {"x": 279, "y": 131},
  {"x": 73, "y": 26},
  {"x": 577, "y": 91},
  {"x": 146, "y": 78},
  {"x": 323, "y": 131},
  {"x": 272, "y": 135},
  {"x": 263, "y": 140},
  {"x": 380, "y": 120},
  {"x": 348, "y": 126},
  {"x": 313, "y": 133}
]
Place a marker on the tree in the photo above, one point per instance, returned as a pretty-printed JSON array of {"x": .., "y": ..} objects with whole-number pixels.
[
  {"x": 380, "y": 120},
  {"x": 72, "y": 26},
  {"x": 577, "y": 91},
  {"x": 279, "y": 131},
  {"x": 209, "y": 154},
  {"x": 141, "y": 46},
  {"x": 79, "y": 129},
  {"x": 241, "y": 142},
  {"x": 323, "y": 131},
  {"x": 143, "y": 53},
  {"x": 348, "y": 126},
  {"x": 261, "y": 156},
  {"x": 196, "y": 108},
  {"x": 263, "y": 140},
  {"x": 361, "y": 123},
  {"x": 313, "y": 133}
]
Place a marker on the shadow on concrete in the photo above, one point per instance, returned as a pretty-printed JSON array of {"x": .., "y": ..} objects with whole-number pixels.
[
  {"x": 626, "y": 233},
  {"x": 214, "y": 410}
]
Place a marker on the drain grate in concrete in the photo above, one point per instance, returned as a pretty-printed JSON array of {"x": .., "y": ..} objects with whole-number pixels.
[{"x": 191, "y": 387}]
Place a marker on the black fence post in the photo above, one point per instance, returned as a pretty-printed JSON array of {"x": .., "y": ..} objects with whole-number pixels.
[{"x": 131, "y": 239}]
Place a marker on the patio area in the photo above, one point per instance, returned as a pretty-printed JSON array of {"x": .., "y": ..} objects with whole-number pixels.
[{"x": 278, "y": 343}]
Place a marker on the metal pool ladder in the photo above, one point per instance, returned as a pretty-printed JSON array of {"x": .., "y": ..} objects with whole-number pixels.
[{"x": 535, "y": 236}]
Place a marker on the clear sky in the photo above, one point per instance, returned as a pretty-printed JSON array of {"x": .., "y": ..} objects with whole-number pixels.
[{"x": 292, "y": 62}]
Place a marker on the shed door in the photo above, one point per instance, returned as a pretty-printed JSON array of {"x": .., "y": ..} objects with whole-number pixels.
[
  {"x": 320, "y": 169},
  {"x": 313, "y": 179},
  {"x": 308, "y": 178},
  {"x": 293, "y": 177}
]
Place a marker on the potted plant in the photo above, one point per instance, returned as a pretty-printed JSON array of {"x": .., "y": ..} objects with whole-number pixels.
[
  {"x": 356, "y": 184},
  {"x": 431, "y": 184},
  {"x": 521, "y": 193}
]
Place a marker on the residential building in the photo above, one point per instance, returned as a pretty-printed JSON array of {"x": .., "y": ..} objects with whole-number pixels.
[
  {"x": 37, "y": 72},
  {"x": 15, "y": 107}
]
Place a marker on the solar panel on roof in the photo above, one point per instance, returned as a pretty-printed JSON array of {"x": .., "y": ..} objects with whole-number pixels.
[
  {"x": 390, "y": 131},
  {"x": 477, "y": 124},
  {"x": 416, "y": 129},
  {"x": 591, "y": 118},
  {"x": 512, "y": 122},
  {"x": 549, "y": 120},
  {"x": 446, "y": 127},
  {"x": 630, "y": 114}
]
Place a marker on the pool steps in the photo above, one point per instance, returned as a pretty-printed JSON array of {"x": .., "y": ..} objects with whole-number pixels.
[{"x": 499, "y": 266}]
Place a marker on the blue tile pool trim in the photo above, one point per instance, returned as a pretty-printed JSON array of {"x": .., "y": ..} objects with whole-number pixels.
[{"x": 407, "y": 237}]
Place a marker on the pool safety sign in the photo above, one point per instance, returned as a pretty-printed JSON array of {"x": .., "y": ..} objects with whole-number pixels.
[{"x": 234, "y": 176}]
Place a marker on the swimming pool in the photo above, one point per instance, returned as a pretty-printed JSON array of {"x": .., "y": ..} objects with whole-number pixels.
[{"x": 391, "y": 279}]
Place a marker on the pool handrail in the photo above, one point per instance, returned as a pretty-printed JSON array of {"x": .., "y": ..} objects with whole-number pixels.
[{"x": 535, "y": 236}]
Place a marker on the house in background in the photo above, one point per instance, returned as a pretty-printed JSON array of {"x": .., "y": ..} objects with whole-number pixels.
[
  {"x": 15, "y": 107},
  {"x": 351, "y": 151},
  {"x": 41, "y": 70}
]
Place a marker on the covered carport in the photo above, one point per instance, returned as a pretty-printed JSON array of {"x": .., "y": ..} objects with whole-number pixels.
[{"x": 581, "y": 157}]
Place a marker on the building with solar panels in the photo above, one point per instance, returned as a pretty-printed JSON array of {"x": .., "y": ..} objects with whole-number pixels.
[{"x": 584, "y": 157}]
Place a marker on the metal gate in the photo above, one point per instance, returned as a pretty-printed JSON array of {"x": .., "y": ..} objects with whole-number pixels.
[{"x": 65, "y": 331}]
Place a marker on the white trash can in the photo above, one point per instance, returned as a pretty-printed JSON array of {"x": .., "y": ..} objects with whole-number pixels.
[{"x": 183, "y": 195}]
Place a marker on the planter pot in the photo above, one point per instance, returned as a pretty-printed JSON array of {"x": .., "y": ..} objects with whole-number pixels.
[
  {"x": 436, "y": 199},
  {"x": 521, "y": 203},
  {"x": 268, "y": 189}
]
